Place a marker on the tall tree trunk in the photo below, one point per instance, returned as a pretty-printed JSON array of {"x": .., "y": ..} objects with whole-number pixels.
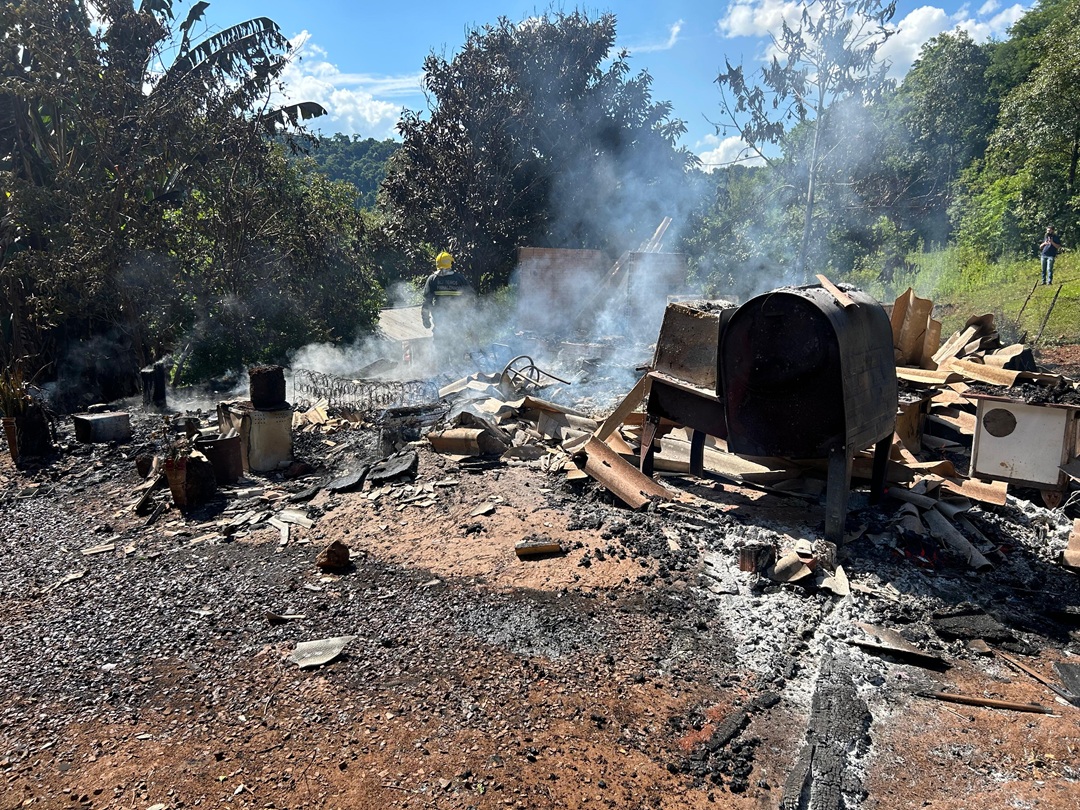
[
  {"x": 808, "y": 213},
  {"x": 1073, "y": 158}
]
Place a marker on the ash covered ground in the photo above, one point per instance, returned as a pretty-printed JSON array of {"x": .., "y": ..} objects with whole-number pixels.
[{"x": 642, "y": 668}]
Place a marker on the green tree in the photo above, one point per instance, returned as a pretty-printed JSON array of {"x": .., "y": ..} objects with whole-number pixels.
[
  {"x": 127, "y": 148},
  {"x": 1012, "y": 60},
  {"x": 730, "y": 235},
  {"x": 1030, "y": 175},
  {"x": 356, "y": 160},
  {"x": 536, "y": 135},
  {"x": 946, "y": 107},
  {"x": 830, "y": 56}
]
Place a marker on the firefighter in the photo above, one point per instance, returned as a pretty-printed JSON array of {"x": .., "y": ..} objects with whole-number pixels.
[{"x": 447, "y": 295}]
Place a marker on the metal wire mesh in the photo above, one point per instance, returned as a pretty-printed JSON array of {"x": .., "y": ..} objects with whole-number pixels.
[{"x": 367, "y": 396}]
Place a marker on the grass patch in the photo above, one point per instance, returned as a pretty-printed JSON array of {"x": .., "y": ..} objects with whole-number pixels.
[{"x": 962, "y": 283}]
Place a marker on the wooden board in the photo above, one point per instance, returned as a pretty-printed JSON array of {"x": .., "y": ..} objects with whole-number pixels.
[{"x": 1070, "y": 557}]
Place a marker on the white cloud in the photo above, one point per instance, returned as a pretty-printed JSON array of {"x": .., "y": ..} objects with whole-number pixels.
[
  {"x": 757, "y": 18},
  {"x": 667, "y": 45},
  {"x": 996, "y": 27},
  {"x": 716, "y": 152},
  {"x": 763, "y": 18},
  {"x": 915, "y": 29},
  {"x": 363, "y": 104}
]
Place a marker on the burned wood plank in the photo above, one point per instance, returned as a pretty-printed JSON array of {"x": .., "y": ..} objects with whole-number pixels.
[
  {"x": 795, "y": 784},
  {"x": 141, "y": 506},
  {"x": 927, "y": 376},
  {"x": 295, "y": 516},
  {"x": 952, "y": 347},
  {"x": 983, "y": 373},
  {"x": 838, "y": 729},
  {"x": 538, "y": 546},
  {"x": 889, "y": 641},
  {"x": 994, "y": 492},
  {"x": 842, "y": 298},
  {"x": 629, "y": 404},
  {"x": 1053, "y": 687},
  {"x": 990, "y": 703}
]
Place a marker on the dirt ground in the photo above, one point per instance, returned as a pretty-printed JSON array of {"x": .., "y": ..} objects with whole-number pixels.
[{"x": 637, "y": 670}]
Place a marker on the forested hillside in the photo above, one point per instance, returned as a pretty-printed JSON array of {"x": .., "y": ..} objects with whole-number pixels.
[
  {"x": 360, "y": 161},
  {"x": 148, "y": 212}
]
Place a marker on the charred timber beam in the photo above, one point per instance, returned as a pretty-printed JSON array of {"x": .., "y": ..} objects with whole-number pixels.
[{"x": 838, "y": 728}]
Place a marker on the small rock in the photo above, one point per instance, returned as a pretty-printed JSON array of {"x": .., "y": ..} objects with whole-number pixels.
[{"x": 335, "y": 557}]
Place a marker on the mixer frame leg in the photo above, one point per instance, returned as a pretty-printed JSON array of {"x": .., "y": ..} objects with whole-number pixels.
[
  {"x": 837, "y": 489},
  {"x": 697, "y": 454},
  {"x": 881, "y": 463}
]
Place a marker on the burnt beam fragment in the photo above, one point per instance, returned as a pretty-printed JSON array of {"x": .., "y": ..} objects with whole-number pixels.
[{"x": 838, "y": 729}]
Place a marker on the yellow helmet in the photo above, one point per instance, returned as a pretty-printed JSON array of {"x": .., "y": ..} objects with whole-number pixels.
[{"x": 443, "y": 261}]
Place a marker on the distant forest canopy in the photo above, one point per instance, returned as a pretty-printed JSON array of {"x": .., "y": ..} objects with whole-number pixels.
[
  {"x": 150, "y": 211},
  {"x": 350, "y": 158}
]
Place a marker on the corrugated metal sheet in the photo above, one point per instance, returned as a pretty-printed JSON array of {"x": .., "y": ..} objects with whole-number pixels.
[{"x": 402, "y": 324}]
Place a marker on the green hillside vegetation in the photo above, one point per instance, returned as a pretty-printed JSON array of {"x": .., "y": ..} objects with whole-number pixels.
[
  {"x": 966, "y": 285},
  {"x": 362, "y": 162},
  {"x": 149, "y": 212}
]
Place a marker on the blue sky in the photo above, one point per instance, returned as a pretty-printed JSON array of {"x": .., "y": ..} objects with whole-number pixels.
[{"x": 363, "y": 61}]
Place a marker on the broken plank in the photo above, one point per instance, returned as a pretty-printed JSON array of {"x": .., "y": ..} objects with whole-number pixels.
[
  {"x": 538, "y": 547},
  {"x": 295, "y": 516},
  {"x": 674, "y": 456},
  {"x": 983, "y": 373},
  {"x": 926, "y": 376},
  {"x": 532, "y": 403},
  {"x": 951, "y": 347},
  {"x": 1053, "y": 687},
  {"x": 890, "y": 641},
  {"x": 842, "y": 298},
  {"x": 993, "y": 492},
  {"x": 990, "y": 703},
  {"x": 629, "y": 404}
]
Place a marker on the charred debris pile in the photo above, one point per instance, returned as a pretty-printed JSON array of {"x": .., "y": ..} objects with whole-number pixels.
[
  {"x": 825, "y": 473},
  {"x": 803, "y": 394}
]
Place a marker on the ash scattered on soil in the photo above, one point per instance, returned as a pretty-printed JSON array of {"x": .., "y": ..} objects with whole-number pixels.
[{"x": 640, "y": 669}]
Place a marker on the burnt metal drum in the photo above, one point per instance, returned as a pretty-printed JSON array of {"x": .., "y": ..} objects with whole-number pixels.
[
  {"x": 796, "y": 373},
  {"x": 803, "y": 376}
]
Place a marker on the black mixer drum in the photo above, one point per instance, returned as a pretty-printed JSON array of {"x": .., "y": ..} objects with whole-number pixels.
[{"x": 803, "y": 375}]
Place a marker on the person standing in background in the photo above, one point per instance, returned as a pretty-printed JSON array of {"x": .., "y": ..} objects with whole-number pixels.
[
  {"x": 447, "y": 309},
  {"x": 1050, "y": 246}
]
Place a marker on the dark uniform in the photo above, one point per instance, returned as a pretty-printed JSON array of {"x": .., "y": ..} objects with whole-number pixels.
[{"x": 444, "y": 292}]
